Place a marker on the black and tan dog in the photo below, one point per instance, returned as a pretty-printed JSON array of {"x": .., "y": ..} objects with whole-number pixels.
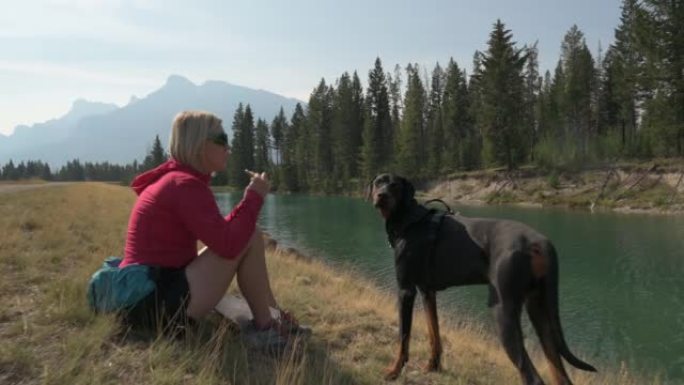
[{"x": 434, "y": 251}]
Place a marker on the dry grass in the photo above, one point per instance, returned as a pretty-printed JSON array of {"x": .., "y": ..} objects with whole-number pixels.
[
  {"x": 54, "y": 238},
  {"x": 22, "y": 181}
]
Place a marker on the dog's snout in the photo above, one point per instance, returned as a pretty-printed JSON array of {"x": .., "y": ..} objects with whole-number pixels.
[{"x": 381, "y": 196}]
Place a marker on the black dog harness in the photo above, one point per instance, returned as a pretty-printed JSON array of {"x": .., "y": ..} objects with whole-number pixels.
[{"x": 414, "y": 245}]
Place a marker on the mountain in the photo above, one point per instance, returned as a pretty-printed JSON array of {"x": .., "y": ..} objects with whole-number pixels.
[
  {"x": 102, "y": 132},
  {"x": 53, "y": 131}
]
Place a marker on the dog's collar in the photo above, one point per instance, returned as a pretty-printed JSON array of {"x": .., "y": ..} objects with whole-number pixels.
[{"x": 414, "y": 214}]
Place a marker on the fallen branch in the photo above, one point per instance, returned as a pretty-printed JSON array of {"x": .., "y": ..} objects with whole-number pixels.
[
  {"x": 512, "y": 180},
  {"x": 655, "y": 183},
  {"x": 641, "y": 177},
  {"x": 674, "y": 192},
  {"x": 503, "y": 185},
  {"x": 603, "y": 187}
]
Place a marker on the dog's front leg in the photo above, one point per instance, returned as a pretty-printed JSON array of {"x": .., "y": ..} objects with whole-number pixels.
[
  {"x": 430, "y": 306},
  {"x": 407, "y": 297}
]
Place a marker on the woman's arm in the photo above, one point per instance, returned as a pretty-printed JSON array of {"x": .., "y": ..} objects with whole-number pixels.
[{"x": 198, "y": 210}]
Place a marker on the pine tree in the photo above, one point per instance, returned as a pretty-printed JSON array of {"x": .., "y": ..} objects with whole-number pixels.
[
  {"x": 661, "y": 31},
  {"x": 72, "y": 171},
  {"x": 278, "y": 129},
  {"x": 557, "y": 103},
  {"x": 343, "y": 128},
  {"x": 622, "y": 72},
  {"x": 357, "y": 120},
  {"x": 502, "y": 86},
  {"x": 9, "y": 171},
  {"x": 533, "y": 84},
  {"x": 549, "y": 149},
  {"x": 21, "y": 170},
  {"x": 31, "y": 169},
  {"x": 461, "y": 141},
  {"x": 434, "y": 130},
  {"x": 248, "y": 138},
  {"x": 410, "y": 155},
  {"x": 303, "y": 148},
  {"x": 289, "y": 150},
  {"x": 319, "y": 121},
  {"x": 545, "y": 126},
  {"x": 475, "y": 104},
  {"x": 376, "y": 153},
  {"x": 396, "y": 103},
  {"x": 609, "y": 109},
  {"x": 45, "y": 173},
  {"x": 156, "y": 156},
  {"x": 262, "y": 146},
  {"x": 235, "y": 161},
  {"x": 242, "y": 148},
  {"x": 578, "y": 67}
]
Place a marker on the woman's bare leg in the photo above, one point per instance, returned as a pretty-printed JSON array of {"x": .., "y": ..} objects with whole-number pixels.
[
  {"x": 252, "y": 276},
  {"x": 209, "y": 276}
]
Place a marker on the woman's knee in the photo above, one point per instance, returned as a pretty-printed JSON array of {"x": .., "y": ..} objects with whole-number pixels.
[
  {"x": 258, "y": 235},
  {"x": 256, "y": 241}
]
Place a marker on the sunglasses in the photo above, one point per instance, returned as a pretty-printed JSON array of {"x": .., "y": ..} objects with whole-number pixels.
[{"x": 221, "y": 139}]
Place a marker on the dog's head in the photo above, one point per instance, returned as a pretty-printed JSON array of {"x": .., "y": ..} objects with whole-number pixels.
[{"x": 390, "y": 193}]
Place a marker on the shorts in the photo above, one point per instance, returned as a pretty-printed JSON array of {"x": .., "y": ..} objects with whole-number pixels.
[{"x": 164, "y": 309}]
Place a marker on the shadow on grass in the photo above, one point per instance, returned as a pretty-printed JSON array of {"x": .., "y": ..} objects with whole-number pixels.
[{"x": 212, "y": 351}]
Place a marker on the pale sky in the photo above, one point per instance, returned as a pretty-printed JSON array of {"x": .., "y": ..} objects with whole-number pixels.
[{"x": 53, "y": 52}]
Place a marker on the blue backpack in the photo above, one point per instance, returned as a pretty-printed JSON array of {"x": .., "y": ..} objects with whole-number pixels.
[{"x": 112, "y": 289}]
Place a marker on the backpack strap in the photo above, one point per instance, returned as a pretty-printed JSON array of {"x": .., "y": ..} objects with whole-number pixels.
[
  {"x": 434, "y": 225},
  {"x": 449, "y": 210}
]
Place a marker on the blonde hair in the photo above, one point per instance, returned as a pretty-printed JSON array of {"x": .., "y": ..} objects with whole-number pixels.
[{"x": 189, "y": 133}]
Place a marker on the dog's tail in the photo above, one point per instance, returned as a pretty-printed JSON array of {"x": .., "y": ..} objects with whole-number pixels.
[{"x": 552, "y": 303}]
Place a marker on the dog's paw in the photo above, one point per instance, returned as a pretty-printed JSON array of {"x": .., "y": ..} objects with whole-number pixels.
[
  {"x": 432, "y": 366},
  {"x": 391, "y": 373}
]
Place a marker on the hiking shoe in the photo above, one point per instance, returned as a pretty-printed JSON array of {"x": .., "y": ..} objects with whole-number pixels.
[
  {"x": 289, "y": 324},
  {"x": 269, "y": 340}
]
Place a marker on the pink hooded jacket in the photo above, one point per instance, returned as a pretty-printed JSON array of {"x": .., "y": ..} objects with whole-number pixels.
[{"x": 176, "y": 208}]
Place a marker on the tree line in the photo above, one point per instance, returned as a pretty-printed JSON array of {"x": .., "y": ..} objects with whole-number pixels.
[
  {"x": 76, "y": 170},
  {"x": 624, "y": 103}
]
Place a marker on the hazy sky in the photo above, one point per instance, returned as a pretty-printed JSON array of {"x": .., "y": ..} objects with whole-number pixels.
[{"x": 55, "y": 51}]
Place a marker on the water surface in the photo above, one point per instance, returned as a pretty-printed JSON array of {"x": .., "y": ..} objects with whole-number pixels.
[{"x": 621, "y": 275}]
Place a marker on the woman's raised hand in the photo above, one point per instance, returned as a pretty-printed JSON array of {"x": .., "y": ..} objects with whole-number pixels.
[{"x": 258, "y": 182}]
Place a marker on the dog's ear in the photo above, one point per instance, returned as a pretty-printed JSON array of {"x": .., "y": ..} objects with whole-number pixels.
[{"x": 408, "y": 191}]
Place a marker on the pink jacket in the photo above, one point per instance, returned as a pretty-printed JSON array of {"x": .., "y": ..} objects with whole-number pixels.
[{"x": 176, "y": 208}]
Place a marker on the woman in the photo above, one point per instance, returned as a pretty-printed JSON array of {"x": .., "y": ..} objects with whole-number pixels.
[{"x": 176, "y": 208}]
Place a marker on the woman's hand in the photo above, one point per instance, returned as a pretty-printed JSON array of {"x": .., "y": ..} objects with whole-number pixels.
[{"x": 258, "y": 182}]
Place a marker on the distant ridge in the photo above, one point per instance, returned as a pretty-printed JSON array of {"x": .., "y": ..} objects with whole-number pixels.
[{"x": 100, "y": 132}]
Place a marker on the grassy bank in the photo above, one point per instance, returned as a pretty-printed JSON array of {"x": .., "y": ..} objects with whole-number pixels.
[{"x": 54, "y": 238}]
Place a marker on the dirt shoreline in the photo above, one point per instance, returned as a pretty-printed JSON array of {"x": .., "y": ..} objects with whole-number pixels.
[
  {"x": 637, "y": 190},
  {"x": 540, "y": 205}
]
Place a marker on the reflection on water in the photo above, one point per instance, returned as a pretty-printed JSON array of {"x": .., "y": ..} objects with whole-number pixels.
[{"x": 621, "y": 281}]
